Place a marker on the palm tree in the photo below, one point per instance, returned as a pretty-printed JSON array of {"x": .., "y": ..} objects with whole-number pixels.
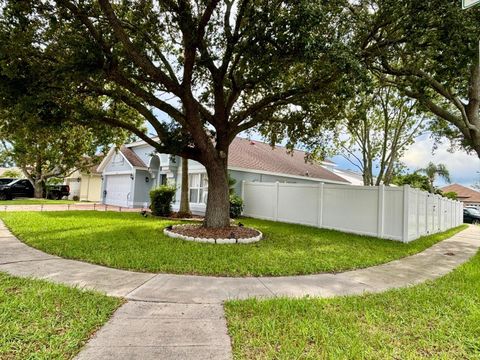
[{"x": 432, "y": 171}]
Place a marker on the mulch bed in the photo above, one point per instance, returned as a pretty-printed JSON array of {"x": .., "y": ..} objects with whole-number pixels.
[{"x": 231, "y": 232}]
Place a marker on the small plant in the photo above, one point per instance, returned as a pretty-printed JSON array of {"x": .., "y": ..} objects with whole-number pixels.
[
  {"x": 76, "y": 198},
  {"x": 236, "y": 206},
  {"x": 161, "y": 200}
]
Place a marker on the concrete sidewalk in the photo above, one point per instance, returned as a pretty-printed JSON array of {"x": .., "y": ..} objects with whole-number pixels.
[{"x": 181, "y": 316}]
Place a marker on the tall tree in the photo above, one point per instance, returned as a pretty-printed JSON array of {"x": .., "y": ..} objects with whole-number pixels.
[
  {"x": 44, "y": 153},
  {"x": 216, "y": 67},
  {"x": 430, "y": 51},
  {"x": 379, "y": 127},
  {"x": 433, "y": 171}
]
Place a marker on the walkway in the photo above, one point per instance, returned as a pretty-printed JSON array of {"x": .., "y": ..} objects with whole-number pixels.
[
  {"x": 181, "y": 316},
  {"x": 65, "y": 207}
]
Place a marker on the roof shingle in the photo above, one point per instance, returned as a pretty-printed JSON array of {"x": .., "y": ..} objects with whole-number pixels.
[
  {"x": 132, "y": 158},
  {"x": 463, "y": 193},
  {"x": 256, "y": 155}
]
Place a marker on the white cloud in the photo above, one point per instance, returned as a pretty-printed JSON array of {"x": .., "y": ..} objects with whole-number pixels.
[{"x": 463, "y": 167}]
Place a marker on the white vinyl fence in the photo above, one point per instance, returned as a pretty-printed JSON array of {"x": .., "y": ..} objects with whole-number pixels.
[{"x": 397, "y": 213}]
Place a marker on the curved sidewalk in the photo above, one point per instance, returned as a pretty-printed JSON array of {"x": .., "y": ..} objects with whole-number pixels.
[
  {"x": 181, "y": 316},
  {"x": 19, "y": 259}
]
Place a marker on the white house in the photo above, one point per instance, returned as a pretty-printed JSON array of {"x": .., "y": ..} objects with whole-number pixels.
[{"x": 129, "y": 173}]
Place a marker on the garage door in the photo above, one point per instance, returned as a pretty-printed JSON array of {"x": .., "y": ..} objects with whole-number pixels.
[{"x": 118, "y": 190}]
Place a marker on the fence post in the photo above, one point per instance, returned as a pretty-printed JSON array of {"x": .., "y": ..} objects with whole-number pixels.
[
  {"x": 381, "y": 211},
  {"x": 418, "y": 192},
  {"x": 406, "y": 194},
  {"x": 320, "y": 205},
  {"x": 275, "y": 203}
]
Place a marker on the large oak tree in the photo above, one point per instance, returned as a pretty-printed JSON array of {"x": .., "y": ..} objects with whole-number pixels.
[{"x": 198, "y": 72}]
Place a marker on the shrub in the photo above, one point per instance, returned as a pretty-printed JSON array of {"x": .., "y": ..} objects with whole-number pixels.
[
  {"x": 236, "y": 206},
  {"x": 76, "y": 198},
  {"x": 161, "y": 200},
  {"x": 450, "y": 195}
]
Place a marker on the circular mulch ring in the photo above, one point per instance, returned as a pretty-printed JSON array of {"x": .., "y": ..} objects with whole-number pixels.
[{"x": 228, "y": 235}]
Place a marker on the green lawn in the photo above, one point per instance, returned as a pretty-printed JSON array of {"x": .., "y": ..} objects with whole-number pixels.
[
  {"x": 41, "y": 320},
  {"x": 129, "y": 241},
  {"x": 23, "y": 201},
  {"x": 436, "y": 320}
]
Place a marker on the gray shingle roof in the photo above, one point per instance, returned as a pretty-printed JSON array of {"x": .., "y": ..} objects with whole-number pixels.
[{"x": 256, "y": 155}]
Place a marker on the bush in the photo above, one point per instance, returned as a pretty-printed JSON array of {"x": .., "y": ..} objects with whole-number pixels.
[
  {"x": 161, "y": 200},
  {"x": 76, "y": 198},
  {"x": 236, "y": 206}
]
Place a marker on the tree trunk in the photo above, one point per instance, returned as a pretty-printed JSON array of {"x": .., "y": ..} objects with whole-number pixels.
[
  {"x": 218, "y": 204},
  {"x": 184, "y": 202},
  {"x": 39, "y": 187}
]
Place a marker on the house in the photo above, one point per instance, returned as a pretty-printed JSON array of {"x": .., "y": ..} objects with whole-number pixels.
[
  {"x": 86, "y": 185},
  {"x": 355, "y": 178},
  {"x": 130, "y": 172},
  {"x": 468, "y": 196}
]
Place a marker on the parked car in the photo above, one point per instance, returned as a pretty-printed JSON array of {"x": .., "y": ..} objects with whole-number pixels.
[
  {"x": 5, "y": 181},
  {"x": 471, "y": 215},
  {"x": 16, "y": 188},
  {"x": 57, "y": 192}
]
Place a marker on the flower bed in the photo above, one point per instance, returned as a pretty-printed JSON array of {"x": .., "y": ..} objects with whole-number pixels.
[{"x": 229, "y": 235}]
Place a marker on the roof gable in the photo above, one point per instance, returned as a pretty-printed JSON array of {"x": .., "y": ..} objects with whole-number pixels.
[{"x": 130, "y": 157}]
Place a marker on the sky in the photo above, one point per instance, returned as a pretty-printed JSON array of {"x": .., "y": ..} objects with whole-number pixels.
[{"x": 464, "y": 168}]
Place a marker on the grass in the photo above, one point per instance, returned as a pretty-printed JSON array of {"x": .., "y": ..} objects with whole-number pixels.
[
  {"x": 41, "y": 320},
  {"x": 24, "y": 201},
  {"x": 436, "y": 320},
  {"x": 129, "y": 241}
]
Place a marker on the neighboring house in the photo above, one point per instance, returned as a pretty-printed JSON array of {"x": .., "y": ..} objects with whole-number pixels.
[
  {"x": 353, "y": 177},
  {"x": 468, "y": 196},
  {"x": 87, "y": 185},
  {"x": 130, "y": 172}
]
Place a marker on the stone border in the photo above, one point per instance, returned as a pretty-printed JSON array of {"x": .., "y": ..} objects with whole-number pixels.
[{"x": 211, "y": 240}]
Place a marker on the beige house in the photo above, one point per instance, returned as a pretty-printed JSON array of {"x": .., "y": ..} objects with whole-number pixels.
[{"x": 87, "y": 186}]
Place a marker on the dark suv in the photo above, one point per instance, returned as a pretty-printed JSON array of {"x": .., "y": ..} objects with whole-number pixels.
[
  {"x": 57, "y": 192},
  {"x": 471, "y": 215},
  {"x": 16, "y": 188}
]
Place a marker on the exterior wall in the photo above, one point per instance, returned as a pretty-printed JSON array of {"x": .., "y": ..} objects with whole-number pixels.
[
  {"x": 395, "y": 213},
  {"x": 141, "y": 193},
  {"x": 256, "y": 177}
]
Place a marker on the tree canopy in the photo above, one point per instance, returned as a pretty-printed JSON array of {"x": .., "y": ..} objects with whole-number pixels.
[
  {"x": 430, "y": 51},
  {"x": 198, "y": 72},
  {"x": 378, "y": 126}
]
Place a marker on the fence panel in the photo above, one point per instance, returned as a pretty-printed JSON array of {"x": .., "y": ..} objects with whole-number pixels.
[
  {"x": 402, "y": 214},
  {"x": 351, "y": 209},
  {"x": 298, "y": 203}
]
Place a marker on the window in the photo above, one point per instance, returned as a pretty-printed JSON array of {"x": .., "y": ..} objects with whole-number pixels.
[{"x": 198, "y": 185}]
